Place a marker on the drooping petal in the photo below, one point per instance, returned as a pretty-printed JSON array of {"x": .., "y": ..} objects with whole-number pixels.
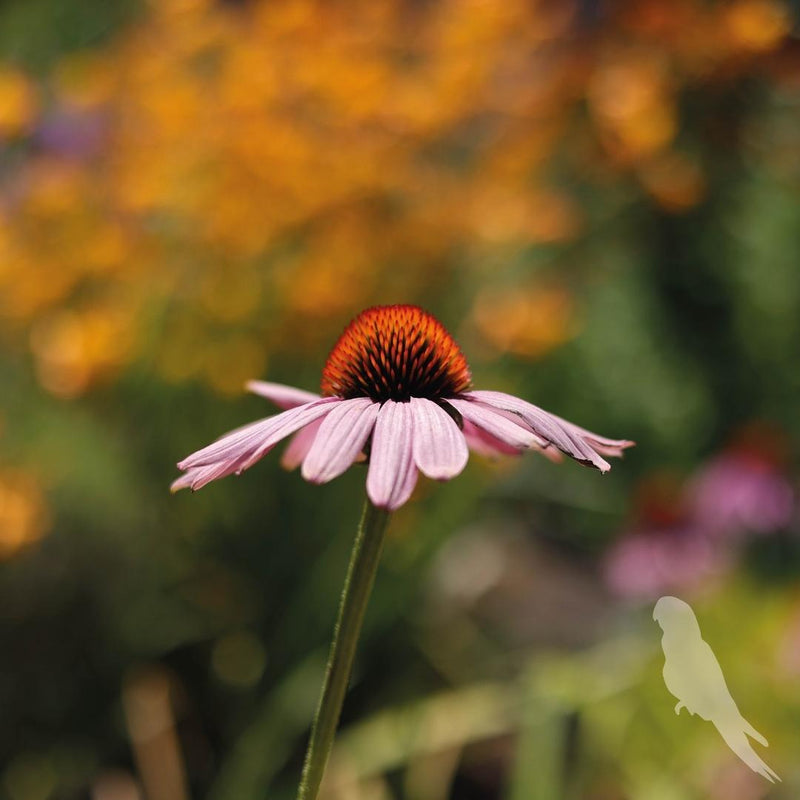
[
  {"x": 197, "y": 477},
  {"x": 483, "y": 443},
  {"x": 551, "y": 453},
  {"x": 540, "y": 445},
  {"x": 439, "y": 448},
  {"x": 604, "y": 446},
  {"x": 512, "y": 433},
  {"x": 183, "y": 482},
  {"x": 341, "y": 437},
  {"x": 564, "y": 436},
  {"x": 299, "y": 445},
  {"x": 283, "y": 396},
  {"x": 239, "y": 450},
  {"x": 392, "y": 473}
]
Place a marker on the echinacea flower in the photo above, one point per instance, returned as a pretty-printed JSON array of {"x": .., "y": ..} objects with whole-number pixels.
[{"x": 397, "y": 391}]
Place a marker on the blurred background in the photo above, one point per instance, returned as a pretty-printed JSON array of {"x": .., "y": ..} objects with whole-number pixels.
[{"x": 598, "y": 199}]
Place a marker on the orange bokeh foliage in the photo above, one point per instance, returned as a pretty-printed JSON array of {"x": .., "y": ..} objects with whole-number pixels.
[
  {"x": 24, "y": 515},
  {"x": 234, "y": 176}
]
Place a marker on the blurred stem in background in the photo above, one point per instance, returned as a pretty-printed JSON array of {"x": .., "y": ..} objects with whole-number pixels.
[
  {"x": 357, "y": 587},
  {"x": 542, "y": 748}
]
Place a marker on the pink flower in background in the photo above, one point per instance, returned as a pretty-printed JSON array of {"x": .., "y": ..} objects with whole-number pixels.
[
  {"x": 396, "y": 390},
  {"x": 664, "y": 550},
  {"x": 686, "y": 533},
  {"x": 741, "y": 492},
  {"x": 647, "y": 563}
]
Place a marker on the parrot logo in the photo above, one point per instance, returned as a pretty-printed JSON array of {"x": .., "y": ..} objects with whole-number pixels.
[{"x": 693, "y": 675}]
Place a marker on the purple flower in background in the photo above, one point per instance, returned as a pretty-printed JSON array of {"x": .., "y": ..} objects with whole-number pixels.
[
  {"x": 665, "y": 549},
  {"x": 741, "y": 491},
  {"x": 687, "y": 533},
  {"x": 397, "y": 391},
  {"x": 71, "y": 133},
  {"x": 649, "y": 562}
]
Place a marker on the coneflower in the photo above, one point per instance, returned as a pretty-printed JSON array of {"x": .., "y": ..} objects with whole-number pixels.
[
  {"x": 396, "y": 392},
  {"x": 395, "y": 388}
]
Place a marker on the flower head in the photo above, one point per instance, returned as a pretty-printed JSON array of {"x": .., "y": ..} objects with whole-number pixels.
[
  {"x": 396, "y": 391},
  {"x": 395, "y": 353}
]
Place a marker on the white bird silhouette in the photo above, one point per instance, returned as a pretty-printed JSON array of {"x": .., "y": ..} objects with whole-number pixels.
[{"x": 693, "y": 674}]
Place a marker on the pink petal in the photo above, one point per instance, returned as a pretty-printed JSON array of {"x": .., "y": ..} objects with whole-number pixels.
[
  {"x": 197, "y": 477},
  {"x": 299, "y": 445},
  {"x": 606, "y": 447},
  {"x": 392, "y": 474},
  {"x": 283, "y": 396},
  {"x": 551, "y": 453},
  {"x": 499, "y": 427},
  {"x": 440, "y": 450},
  {"x": 239, "y": 450},
  {"x": 483, "y": 443},
  {"x": 183, "y": 482},
  {"x": 267, "y": 432},
  {"x": 342, "y": 435},
  {"x": 540, "y": 445},
  {"x": 564, "y": 436}
]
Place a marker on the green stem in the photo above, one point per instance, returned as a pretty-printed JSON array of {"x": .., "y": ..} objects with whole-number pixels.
[{"x": 357, "y": 587}]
